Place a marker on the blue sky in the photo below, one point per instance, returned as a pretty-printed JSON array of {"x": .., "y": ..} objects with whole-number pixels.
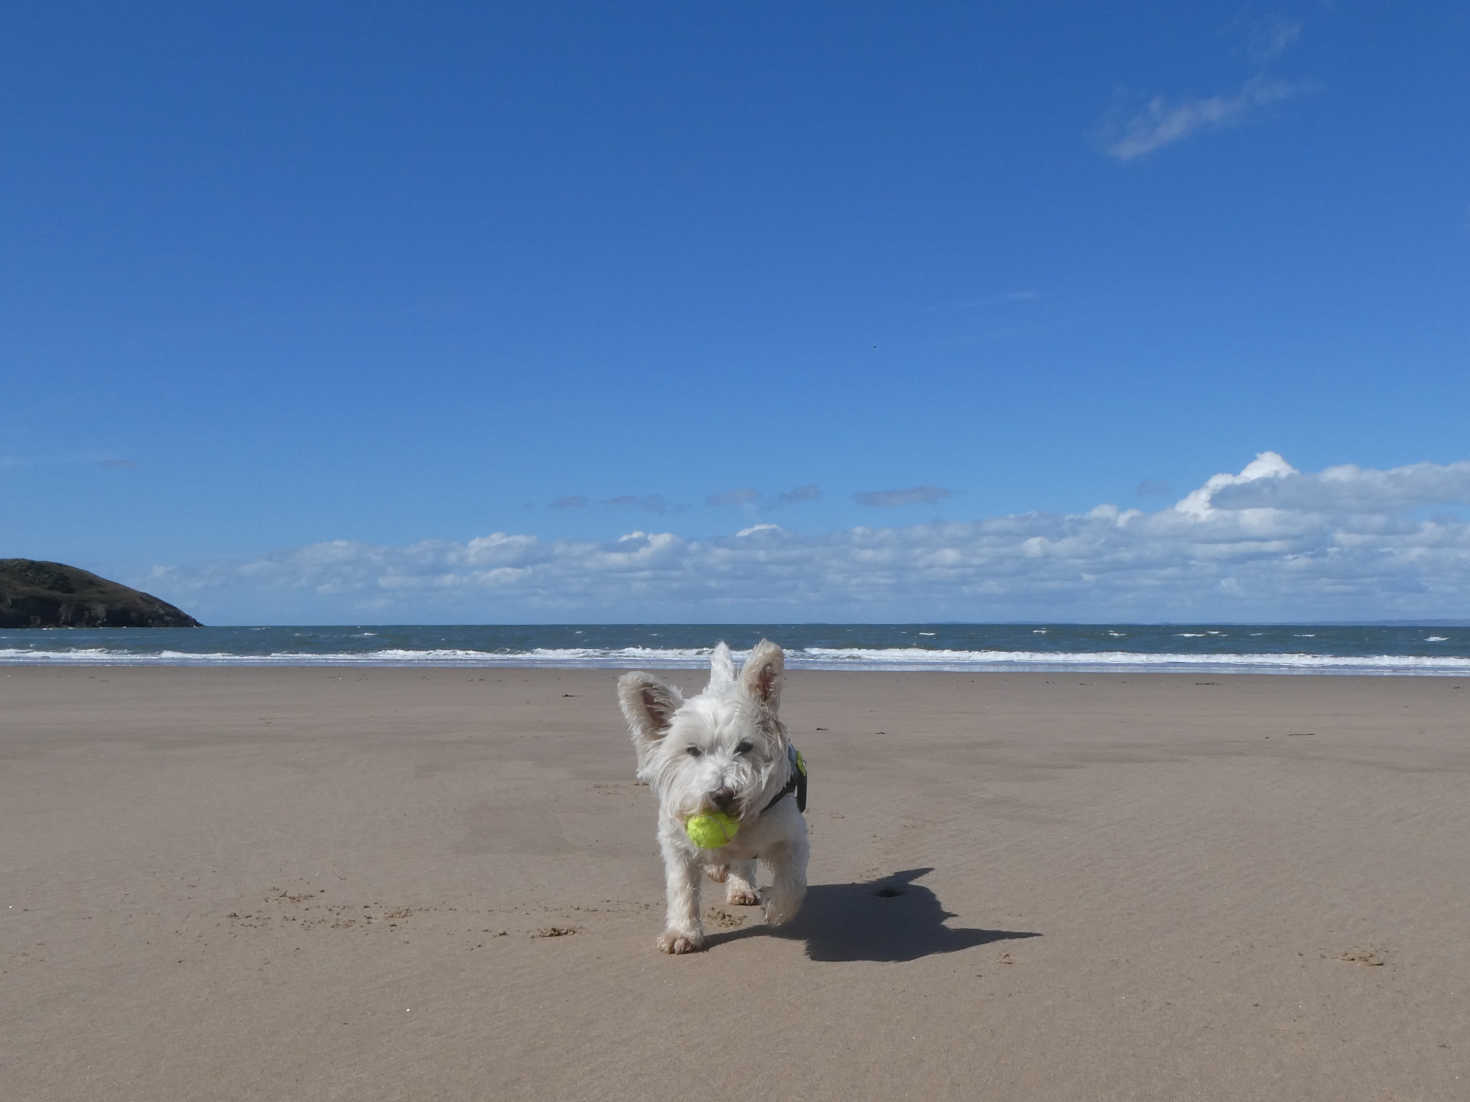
[{"x": 319, "y": 312}]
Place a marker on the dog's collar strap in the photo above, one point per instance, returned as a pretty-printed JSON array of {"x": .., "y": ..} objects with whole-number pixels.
[{"x": 796, "y": 783}]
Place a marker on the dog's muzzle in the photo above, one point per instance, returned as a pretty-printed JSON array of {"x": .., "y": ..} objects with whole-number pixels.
[{"x": 724, "y": 800}]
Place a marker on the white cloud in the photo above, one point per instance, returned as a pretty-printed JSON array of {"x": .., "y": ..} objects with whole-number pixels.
[
  {"x": 1006, "y": 298},
  {"x": 1350, "y": 489},
  {"x": 914, "y": 495},
  {"x": 653, "y": 503},
  {"x": 799, "y": 495},
  {"x": 758, "y": 529},
  {"x": 1271, "y": 37},
  {"x": 67, "y": 459},
  {"x": 1161, "y": 122},
  {"x": 743, "y": 496},
  {"x": 1269, "y": 542},
  {"x": 1200, "y": 503}
]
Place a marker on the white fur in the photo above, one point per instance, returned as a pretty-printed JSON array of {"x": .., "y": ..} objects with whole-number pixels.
[{"x": 740, "y": 765}]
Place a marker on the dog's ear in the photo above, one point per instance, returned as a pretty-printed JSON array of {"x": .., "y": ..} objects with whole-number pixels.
[
  {"x": 648, "y": 705},
  {"x": 764, "y": 671},
  {"x": 721, "y": 666}
]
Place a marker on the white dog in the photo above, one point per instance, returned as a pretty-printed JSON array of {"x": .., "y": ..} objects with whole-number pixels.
[{"x": 723, "y": 750}]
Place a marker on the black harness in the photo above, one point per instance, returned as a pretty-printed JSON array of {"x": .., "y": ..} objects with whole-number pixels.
[{"x": 795, "y": 783}]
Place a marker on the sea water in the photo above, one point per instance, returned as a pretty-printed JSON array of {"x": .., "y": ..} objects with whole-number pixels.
[{"x": 1217, "y": 648}]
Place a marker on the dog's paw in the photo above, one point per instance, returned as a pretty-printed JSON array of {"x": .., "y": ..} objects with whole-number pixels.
[
  {"x": 674, "y": 942},
  {"x": 742, "y": 897},
  {"x": 717, "y": 873},
  {"x": 781, "y": 906}
]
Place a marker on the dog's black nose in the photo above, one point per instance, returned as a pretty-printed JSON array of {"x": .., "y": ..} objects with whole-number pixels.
[{"x": 724, "y": 799}]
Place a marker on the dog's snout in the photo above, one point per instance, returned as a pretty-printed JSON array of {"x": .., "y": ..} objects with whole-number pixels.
[{"x": 724, "y": 799}]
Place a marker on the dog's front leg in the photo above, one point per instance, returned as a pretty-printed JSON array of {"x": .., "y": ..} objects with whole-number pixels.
[
  {"x": 788, "y": 863},
  {"x": 682, "y": 930}
]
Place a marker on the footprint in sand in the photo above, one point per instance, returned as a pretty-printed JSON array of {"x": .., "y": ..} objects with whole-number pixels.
[{"x": 723, "y": 919}]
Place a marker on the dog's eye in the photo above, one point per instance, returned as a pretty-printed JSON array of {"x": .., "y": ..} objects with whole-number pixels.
[
  {"x": 694, "y": 751},
  {"x": 744, "y": 748}
]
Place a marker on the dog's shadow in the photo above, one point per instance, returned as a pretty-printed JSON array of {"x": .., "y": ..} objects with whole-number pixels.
[{"x": 889, "y": 919}]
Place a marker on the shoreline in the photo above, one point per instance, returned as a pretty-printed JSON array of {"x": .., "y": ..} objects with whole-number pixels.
[
  {"x": 375, "y": 883},
  {"x": 1224, "y": 668},
  {"x": 950, "y": 648}
]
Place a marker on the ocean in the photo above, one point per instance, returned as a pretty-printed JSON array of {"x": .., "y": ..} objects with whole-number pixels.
[{"x": 967, "y": 648}]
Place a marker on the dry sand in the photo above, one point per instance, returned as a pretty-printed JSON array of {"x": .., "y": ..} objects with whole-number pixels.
[{"x": 406, "y": 884}]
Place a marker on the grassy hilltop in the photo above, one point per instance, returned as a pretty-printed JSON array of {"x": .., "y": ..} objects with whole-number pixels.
[{"x": 35, "y": 594}]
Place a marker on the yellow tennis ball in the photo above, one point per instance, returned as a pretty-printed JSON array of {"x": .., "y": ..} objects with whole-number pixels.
[{"x": 713, "y": 830}]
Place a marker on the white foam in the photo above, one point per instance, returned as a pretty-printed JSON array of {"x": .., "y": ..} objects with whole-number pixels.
[
  {"x": 914, "y": 658},
  {"x": 25, "y": 654},
  {"x": 831, "y": 658},
  {"x": 910, "y": 658},
  {"x": 1436, "y": 638}
]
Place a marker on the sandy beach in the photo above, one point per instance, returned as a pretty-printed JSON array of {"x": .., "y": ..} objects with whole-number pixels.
[{"x": 442, "y": 884}]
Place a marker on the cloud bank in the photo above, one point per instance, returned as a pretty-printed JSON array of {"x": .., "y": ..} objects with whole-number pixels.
[{"x": 1269, "y": 542}]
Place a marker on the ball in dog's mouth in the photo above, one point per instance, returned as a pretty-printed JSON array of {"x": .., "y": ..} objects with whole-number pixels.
[{"x": 712, "y": 829}]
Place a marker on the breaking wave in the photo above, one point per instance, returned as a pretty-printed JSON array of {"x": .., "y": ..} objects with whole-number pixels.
[{"x": 828, "y": 658}]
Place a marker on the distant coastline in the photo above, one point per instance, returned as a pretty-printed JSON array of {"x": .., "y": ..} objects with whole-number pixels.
[{"x": 35, "y": 593}]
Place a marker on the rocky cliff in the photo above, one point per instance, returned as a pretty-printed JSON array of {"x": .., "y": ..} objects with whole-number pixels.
[{"x": 37, "y": 594}]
